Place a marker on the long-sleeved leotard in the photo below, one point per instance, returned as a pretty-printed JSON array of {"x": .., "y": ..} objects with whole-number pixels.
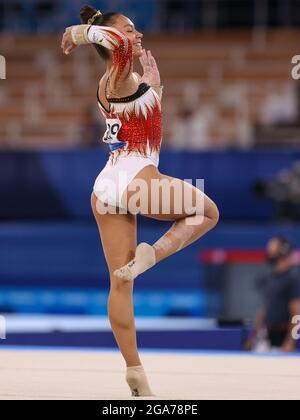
[{"x": 134, "y": 123}]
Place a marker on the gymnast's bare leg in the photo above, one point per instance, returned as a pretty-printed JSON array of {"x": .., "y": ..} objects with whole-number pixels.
[
  {"x": 190, "y": 224},
  {"x": 118, "y": 236}
]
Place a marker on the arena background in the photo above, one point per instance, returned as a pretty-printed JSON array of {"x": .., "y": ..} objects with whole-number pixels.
[{"x": 231, "y": 116}]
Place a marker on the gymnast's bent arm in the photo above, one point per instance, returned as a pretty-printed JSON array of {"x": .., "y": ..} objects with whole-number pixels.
[{"x": 109, "y": 38}]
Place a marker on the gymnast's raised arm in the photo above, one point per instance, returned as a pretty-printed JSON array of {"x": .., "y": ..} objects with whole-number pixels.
[{"x": 109, "y": 38}]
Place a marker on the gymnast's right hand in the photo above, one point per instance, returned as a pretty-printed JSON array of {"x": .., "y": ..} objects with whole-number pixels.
[{"x": 67, "y": 42}]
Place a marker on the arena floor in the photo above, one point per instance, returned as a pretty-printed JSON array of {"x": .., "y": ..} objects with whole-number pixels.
[{"x": 92, "y": 375}]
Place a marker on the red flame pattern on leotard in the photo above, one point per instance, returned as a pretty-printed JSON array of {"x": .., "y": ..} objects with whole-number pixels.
[
  {"x": 121, "y": 47},
  {"x": 140, "y": 114},
  {"x": 141, "y": 121},
  {"x": 122, "y": 58}
]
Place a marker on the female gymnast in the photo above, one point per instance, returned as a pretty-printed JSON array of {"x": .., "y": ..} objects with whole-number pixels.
[{"x": 131, "y": 105}]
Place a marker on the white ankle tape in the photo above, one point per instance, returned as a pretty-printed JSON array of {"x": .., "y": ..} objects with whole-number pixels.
[
  {"x": 143, "y": 260},
  {"x": 137, "y": 381}
]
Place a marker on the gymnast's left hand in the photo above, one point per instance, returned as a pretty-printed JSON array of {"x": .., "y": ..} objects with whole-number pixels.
[
  {"x": 67, "y": 43},
  {"x": 151, "y": 73}
]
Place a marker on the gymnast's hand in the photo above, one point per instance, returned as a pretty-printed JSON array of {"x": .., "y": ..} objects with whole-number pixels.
[
  {"x": 151, "y": 73},
  {"x": 67, "y": 42}
]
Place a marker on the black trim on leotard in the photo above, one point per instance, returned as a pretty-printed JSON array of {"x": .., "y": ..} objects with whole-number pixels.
[{"x": 142, "y": 89}]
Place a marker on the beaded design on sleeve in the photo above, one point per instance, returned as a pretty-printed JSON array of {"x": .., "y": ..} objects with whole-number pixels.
[{"x": 121, "y": 47}]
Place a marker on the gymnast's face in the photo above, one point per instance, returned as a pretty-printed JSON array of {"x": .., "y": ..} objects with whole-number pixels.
[{"x": 125, "y": 25}]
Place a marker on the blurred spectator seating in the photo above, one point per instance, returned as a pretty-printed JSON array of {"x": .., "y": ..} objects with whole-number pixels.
[{"x": 228, "y": 78}]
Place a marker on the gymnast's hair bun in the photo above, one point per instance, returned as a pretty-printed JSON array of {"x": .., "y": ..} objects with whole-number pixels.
[{"x": 87, "y": 13}]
